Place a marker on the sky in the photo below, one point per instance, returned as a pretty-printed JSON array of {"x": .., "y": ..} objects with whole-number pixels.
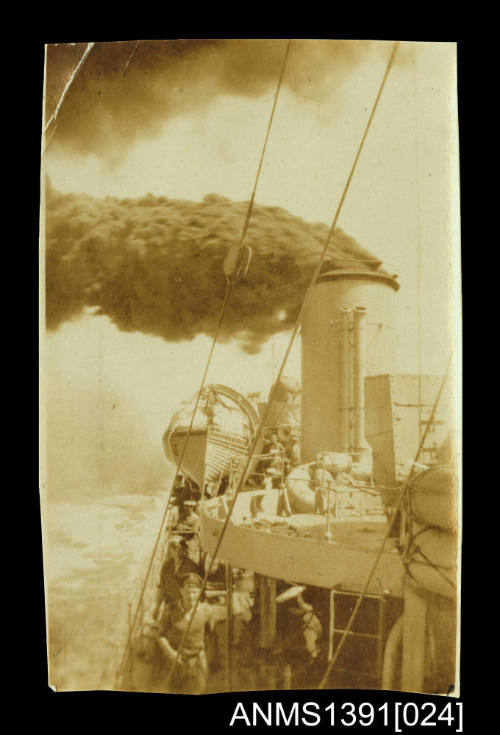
[{"x": 402, "y": 205}]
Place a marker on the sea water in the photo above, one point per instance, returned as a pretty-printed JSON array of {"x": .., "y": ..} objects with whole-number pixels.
[{"x": 96, "y": 553}]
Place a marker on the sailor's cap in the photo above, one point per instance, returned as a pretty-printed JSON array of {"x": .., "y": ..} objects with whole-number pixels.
[
  {"x": 186, "y": 533},
  {"x": 191, "y": 580},
  {"x": 291, "y": 593},
  {"x": 175, "y": 540}
]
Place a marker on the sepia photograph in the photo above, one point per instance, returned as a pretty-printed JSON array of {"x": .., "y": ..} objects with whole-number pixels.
[{"x": 250, "y": 366}]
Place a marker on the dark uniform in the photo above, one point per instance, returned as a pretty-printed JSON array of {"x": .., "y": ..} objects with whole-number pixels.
[{"x": 170, "y": 577}]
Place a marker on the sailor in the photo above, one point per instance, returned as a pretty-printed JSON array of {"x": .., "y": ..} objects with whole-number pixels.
[
  {"x": 180, "y": 493},
  {"x": 284, "y": 507},
  {"x": 299, "y": 635},
  {"x": 190, "y": 670},
  {"x": 208, "y": 407},
  {"x": 190, "y": 522},
  {"x": 323, "y": 484},
  {"x": 179, "y": 486},
  {"x": 241, "y": 644},
  {"x": 189, "y": 529},
  {"x": 177, "y": 564},
  {"x": 276, "y": 447}
]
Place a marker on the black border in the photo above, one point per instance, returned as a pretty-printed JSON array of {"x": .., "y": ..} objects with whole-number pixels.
[{"x": 113, "y": 709}]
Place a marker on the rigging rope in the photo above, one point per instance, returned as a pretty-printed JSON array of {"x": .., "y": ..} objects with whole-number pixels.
[
  {"x": 418, "y": 550},
  {"x": 415, "y": 548},
  {"x": 167, "y": 504},
  {"x": 284, "y": 361},
  {"x": 229, "y": 285},
  {"x": 252, "y": 198},
  {"x": 419, "y": 244}
]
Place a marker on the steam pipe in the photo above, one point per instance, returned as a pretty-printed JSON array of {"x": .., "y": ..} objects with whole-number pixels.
[
  {"x": 360, "y": 444},
  {"x": 344, "y": 380}
]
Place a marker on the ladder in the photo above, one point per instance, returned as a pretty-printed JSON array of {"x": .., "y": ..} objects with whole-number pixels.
[{"x": 360, "y": 662}]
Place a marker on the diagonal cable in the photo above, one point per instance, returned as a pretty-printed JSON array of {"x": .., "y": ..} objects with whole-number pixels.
[
  {"x": 179, "y": 465},
  {"x": 285, "y": 358},
  {"x": 227, "y": 294},
  {"x": 387, "y": 534},
  {"x": 435, "y": 567}
]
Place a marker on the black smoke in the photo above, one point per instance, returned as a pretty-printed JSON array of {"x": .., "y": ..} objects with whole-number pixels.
[
  {"x": 155, "y": 265},
  {"x": 125, "y": 91}
]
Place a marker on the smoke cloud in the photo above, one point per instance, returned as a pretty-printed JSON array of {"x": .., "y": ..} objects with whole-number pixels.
[
  {"x": 155, "y": 265},
  {"x": 125, "y": 91}
]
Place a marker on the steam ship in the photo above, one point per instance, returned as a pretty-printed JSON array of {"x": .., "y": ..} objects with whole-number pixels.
[
  {"x": 341, "y": 491},
  {"x": 321, "y": 513},
  {"x": 361, "y": 426}
]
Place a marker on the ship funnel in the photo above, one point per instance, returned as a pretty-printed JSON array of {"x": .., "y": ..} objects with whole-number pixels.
[{"x": 335, "y": 359}]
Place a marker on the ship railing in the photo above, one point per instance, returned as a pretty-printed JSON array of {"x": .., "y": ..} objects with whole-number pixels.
[
  {"x": 357, "y": 499},
  {"x": 331, "y": 500}
]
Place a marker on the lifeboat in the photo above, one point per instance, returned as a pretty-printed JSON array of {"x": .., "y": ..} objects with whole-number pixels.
[{"x": 221, "y": 435}]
